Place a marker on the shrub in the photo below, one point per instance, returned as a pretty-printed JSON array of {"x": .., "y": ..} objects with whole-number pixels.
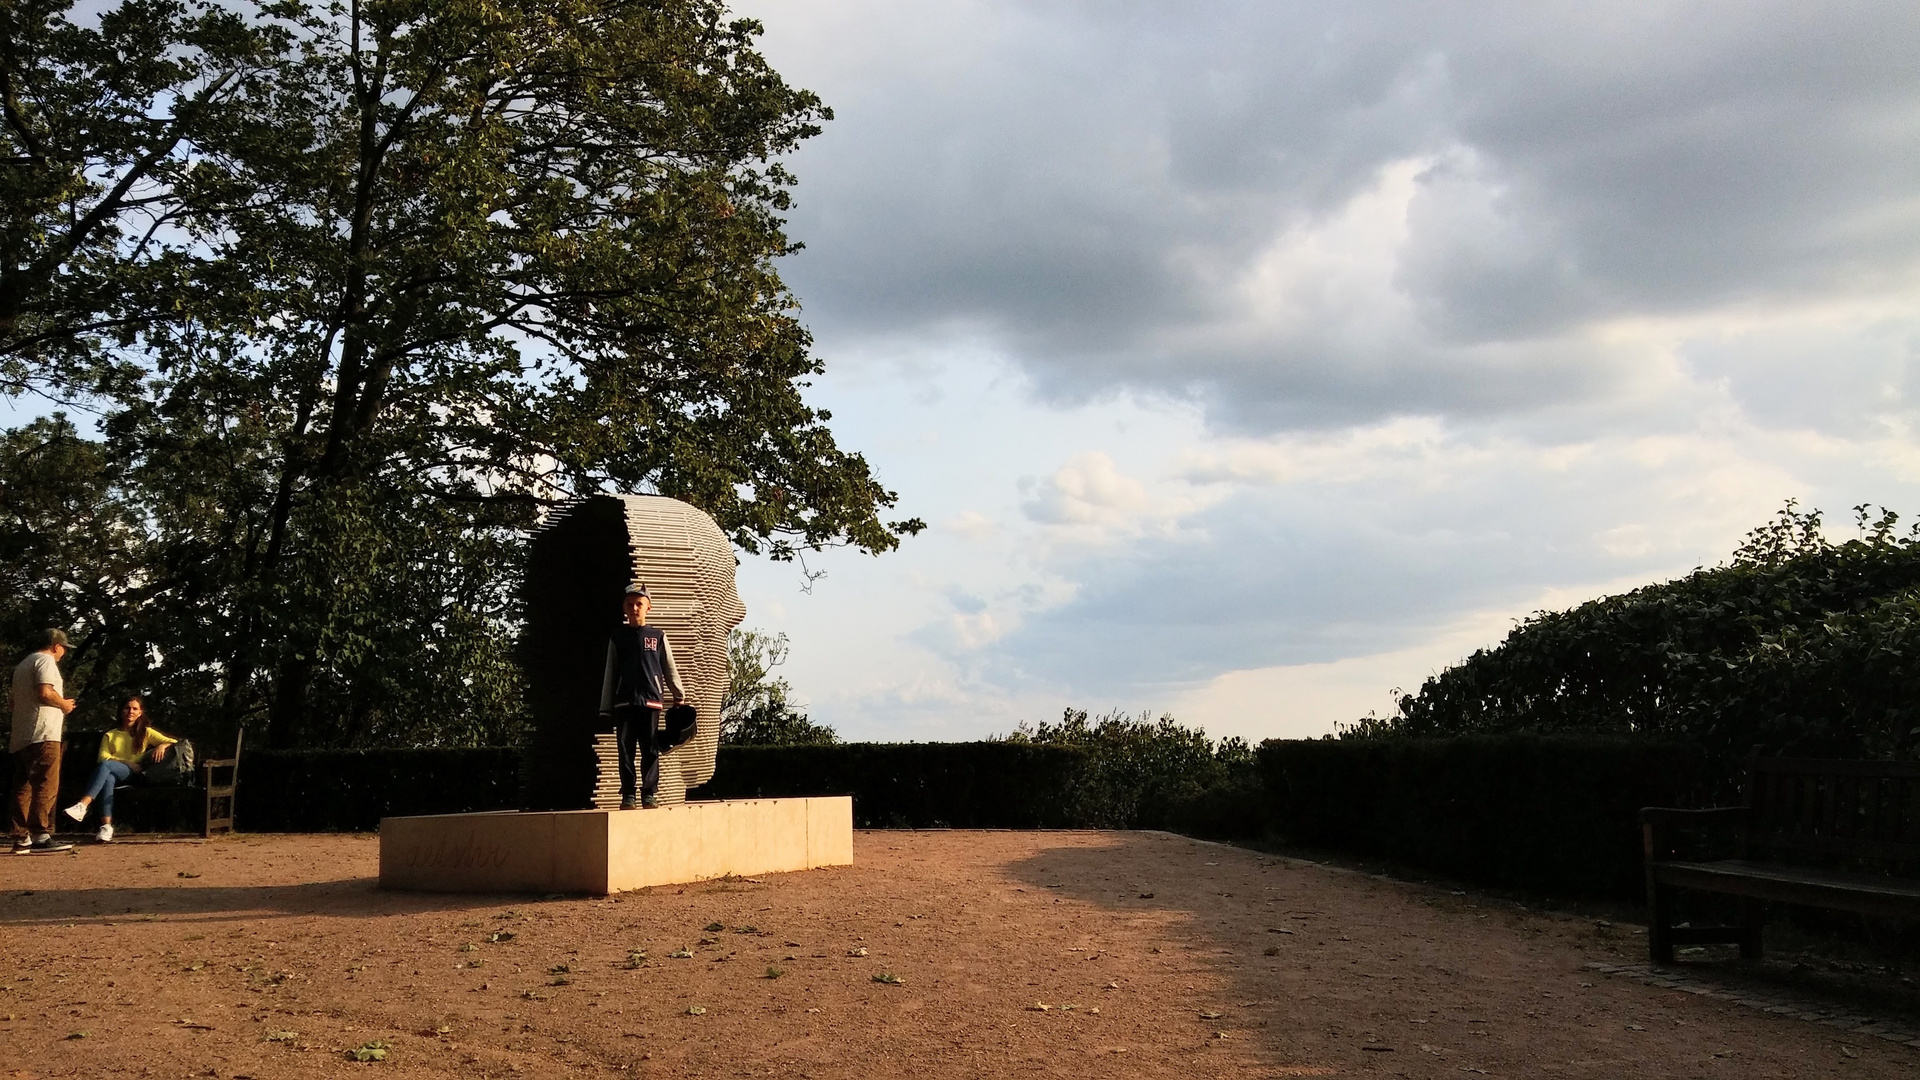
[
  {"x": 1806, "y": 647},
  {"x": 1146, "y": 774}
]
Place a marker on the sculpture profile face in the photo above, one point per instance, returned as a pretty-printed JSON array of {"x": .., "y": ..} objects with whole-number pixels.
[
  {"x": 578, "y": 568},
  {"x": 687, "y": 564}
]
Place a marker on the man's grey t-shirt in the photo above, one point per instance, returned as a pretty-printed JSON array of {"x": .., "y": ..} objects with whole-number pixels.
[{"x": 33, "y": 721}]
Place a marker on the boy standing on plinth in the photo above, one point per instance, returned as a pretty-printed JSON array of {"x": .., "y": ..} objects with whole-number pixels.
[{"x": 640, "y": 676}]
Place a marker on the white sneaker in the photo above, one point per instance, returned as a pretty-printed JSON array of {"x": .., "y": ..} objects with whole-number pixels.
[
  {"x": 78, "y": 811},
  {"x": 105, "y": 834}
]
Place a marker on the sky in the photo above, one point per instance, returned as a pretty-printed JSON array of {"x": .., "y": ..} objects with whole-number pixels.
[{"x": 1251, "y": 360}]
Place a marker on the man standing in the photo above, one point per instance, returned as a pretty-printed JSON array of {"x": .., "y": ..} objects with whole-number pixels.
[
  {"x": 39, "y": 714},
  {"x": 640, "y": 676}
]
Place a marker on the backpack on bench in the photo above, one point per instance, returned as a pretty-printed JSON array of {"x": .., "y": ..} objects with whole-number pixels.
[{"x": 174, "y": 770}]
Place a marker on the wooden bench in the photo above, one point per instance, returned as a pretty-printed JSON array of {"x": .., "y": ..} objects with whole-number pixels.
[
  {"x": 218, "y": 778},
  {"x": 205, "y": 802},
  {"x": 1843, "y": 835}
]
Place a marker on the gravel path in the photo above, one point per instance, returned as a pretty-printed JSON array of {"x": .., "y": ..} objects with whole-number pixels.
[{"x": 1048, "y": 954}]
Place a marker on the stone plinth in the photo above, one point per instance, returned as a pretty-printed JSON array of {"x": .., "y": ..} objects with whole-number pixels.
[{"x": 605, "y": 851}]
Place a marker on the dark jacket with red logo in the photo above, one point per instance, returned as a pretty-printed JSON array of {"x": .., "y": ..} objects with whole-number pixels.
[{"x": 640, "y": 670}]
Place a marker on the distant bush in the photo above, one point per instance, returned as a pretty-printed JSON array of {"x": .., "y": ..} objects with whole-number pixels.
[
  {"x": 759, "y": 709},
  {"x": 1143, "y": 773},
  {"x": 1807, "y": 647},
  {"x": 1110, "y": 772}
]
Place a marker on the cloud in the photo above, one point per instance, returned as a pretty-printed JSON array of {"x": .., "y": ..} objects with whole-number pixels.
[
  {"x": 1327, "y": 548},
  {"x": 1088, "y": 490},
  {"x": 1317, "y": 214},
  {"x": 973, "y": 525},
  {"x": 1244, "y": 349}
]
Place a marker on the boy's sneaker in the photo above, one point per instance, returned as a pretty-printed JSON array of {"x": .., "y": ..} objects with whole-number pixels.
[
  {"x": 649, "y": 803},
  {"x": 22, "y": 845},
  {"x": 78, "y": 811},
  {"x": 46, "y": 845},
  {"x": 105, "y": 834},
  {"x": 626, "y": 804}
]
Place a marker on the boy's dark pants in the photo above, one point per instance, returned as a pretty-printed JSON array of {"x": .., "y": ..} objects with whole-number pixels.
[{"x": 636, "y": 724}]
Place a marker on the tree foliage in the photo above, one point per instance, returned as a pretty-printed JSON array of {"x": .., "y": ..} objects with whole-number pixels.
[
  {"x": 1142, "y": 772},
  {"x": 759, "y": 709},
  {"x": 1799, "y": 644},
  {"x": 115, "y": 132},
  {"x": 358, "y": 290}
]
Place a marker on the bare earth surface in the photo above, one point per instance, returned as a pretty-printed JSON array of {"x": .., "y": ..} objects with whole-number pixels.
[{"x": 1049, "y": 954}]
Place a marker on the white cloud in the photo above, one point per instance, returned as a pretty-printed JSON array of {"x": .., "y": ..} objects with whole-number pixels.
[
  {"x": 1088, "y": 490},
  {"x": 973, "y": 525}
]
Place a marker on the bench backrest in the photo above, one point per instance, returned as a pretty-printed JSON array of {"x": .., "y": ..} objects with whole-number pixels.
[{"x": 1861, "y": 813}]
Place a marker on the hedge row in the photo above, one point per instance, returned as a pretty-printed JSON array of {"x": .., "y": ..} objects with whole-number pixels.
[
  {"x": 351, "y": 790},
  {"x": 975, "y": 785},
  {"x": 1555, "y": 814}
]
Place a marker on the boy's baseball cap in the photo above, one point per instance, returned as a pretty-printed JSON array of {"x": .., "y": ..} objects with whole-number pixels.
[{"x": 637, "y": 589}]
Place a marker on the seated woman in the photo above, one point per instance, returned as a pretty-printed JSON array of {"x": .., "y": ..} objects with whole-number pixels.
[{"x": 122, "y": 751}]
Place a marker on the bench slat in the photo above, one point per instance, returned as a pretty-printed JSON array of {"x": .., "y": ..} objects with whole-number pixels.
[
  {"x": 1869, "y": 893},
  {"x": 1833, "y": 767},
  {"x": 1838, "y": 846}
]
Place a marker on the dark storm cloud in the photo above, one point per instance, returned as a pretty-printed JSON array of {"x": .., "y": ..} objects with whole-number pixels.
[{"x": 1084, "y": 183}]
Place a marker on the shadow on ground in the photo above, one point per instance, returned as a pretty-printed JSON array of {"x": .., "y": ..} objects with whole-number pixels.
[
  {"x": 1212, "y": 938},
  {"x": 340, "y": 898},
  {"x": 1324, "y": 970}
]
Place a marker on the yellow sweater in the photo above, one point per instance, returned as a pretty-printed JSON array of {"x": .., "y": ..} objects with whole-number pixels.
[{"x": 117, "y": 745}]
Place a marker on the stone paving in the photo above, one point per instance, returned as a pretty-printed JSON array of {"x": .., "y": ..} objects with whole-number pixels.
[{"x": 1773, "y": 1001}]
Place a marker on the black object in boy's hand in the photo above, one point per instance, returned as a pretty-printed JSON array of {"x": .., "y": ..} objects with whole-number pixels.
[{"x": 682, "y": 723}]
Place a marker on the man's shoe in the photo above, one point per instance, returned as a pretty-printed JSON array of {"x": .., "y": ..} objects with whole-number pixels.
[
  {"x": 649, "y": 803},
  {"x": 105, "y": 834},
  {"x": 78, "y": 811},
  {"x": 47, "y": 845},
  {"x": 22, "y": 845},
  {"x": 626, "y": 804}
]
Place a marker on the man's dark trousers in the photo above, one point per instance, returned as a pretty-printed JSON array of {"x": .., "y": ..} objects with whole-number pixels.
[
  {"x": 636, "y": 724},
  {"x": 36, "y": 788}
]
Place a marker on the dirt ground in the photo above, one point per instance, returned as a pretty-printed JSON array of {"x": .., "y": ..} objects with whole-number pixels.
[{"x": 1015, "y": 953}]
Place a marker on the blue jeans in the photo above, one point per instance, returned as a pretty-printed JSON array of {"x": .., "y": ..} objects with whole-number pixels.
[{"x": 100, "y": 787}]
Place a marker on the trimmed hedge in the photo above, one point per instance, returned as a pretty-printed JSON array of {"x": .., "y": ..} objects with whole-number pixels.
[
  {"x": 974, "y": 785},
  {"x": 1555, "y": 814},
  {"x": 351, "y": 790},
  {"x": 1549, "y": 813}
]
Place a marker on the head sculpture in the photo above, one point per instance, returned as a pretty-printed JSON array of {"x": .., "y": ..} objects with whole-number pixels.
[{"x": 578, "y": 570}]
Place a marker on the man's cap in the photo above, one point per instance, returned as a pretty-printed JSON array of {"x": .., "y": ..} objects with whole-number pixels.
[
  {"x": 637, "y": 589},
  {"x": 52, "y": 637}
]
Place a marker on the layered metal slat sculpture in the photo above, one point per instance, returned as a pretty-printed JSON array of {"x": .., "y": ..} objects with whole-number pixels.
[{"x": 577, "y": 568}]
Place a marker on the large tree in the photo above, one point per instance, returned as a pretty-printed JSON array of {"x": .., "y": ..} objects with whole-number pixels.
[{"x": 436, "y": 266}]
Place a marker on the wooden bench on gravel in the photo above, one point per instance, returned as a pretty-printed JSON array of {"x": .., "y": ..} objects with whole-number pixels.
[
  {"x": 203, "y": 803},
  {"x": 1832, "y": 834}
]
